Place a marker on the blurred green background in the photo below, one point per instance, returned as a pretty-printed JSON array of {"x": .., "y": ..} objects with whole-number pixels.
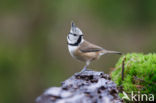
[{"x": 33, "y": 46}]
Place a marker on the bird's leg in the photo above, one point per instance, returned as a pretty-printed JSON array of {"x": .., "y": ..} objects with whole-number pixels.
[{"x": 85, "y": 67}]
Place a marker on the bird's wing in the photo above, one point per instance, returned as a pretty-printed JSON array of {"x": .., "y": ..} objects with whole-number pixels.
[{"x": 89, "y": 47}]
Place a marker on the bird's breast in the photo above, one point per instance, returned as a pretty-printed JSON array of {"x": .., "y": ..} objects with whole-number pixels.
[
  {"x": 72, "y": 49},
  {"x": 77, "y": 54}
]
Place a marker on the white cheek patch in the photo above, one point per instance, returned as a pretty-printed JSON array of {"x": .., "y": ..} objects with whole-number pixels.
[
  {"x": 69, "y": 38},
  {"x": 72, "y": 39}
]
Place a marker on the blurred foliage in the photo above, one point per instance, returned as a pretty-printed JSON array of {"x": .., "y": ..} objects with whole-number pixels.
[
  {"x": 139, "y": 73},
  {"x": 33, "y": 49},
  {"x": 125, "y": 12}
]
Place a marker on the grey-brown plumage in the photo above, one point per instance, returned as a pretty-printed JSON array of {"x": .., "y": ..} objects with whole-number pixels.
[
  {"x": 87, "y": 51},
  {"x": 89, "y": 47}
]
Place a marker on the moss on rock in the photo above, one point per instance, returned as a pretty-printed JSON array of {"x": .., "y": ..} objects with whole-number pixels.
[{"x": 139, "y": 73}]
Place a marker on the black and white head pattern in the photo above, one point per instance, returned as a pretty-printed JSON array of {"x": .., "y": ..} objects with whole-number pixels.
[{"x": 75, "y": 35}]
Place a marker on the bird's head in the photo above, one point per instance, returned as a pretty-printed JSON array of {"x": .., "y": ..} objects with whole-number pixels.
[{"x": 75, "y": 35}]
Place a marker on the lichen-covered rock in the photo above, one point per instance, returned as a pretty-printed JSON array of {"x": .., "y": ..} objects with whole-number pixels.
[{"x": 87, "y": 87}]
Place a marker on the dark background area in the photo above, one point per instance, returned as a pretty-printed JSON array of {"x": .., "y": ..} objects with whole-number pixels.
[{"x": 33, "y": 46}]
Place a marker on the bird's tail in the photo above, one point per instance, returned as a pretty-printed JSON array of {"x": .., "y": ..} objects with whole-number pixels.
[
  {"x": 110, "y": 52},
  {"x": 113, "y": 52}
]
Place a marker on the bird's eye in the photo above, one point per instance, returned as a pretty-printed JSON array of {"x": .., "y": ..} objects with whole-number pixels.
[{"x": 74, "y": 34}]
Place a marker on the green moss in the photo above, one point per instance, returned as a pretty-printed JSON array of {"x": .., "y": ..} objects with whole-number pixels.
[{"x": 139, "y": 73}]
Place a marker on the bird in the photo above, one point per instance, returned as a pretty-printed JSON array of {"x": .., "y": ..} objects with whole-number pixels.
[{"x": 82, "y": 50}]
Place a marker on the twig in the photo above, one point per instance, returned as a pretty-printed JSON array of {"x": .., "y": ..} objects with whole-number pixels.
[{"x": 123, "y": 67}]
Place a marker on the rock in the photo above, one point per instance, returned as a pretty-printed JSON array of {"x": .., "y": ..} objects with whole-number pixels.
[{"x": 87, "y": 87}]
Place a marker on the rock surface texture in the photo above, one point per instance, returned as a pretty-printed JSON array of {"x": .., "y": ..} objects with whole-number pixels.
[{"x": 87, "y": 87}]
